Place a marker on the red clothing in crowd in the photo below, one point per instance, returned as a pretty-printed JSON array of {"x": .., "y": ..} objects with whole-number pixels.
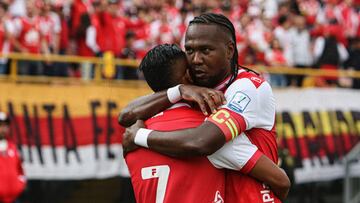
[
  {"x": 30, "y": 36},
  {"x": 348, "y": 18},
  {"x": 78, "y": 8},
  {"x": 64, "y": 35},
  {"x": 11, "y": 174},
  {"x": 276, "y": 57},
  {"x": 83, "y": 49},
  {"x": 2, "y": 35}
]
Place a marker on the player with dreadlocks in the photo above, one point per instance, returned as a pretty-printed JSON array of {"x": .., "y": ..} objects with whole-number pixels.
[{"x": 243, "y": 126}]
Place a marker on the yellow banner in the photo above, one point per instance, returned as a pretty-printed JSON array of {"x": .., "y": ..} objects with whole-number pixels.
[{"x": 79, "y": 98}]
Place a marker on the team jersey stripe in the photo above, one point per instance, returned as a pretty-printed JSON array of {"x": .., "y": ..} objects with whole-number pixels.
[
  {"x": 231, "y": 129},
  {"x": 227, "y": 122},
  {"x": 235, "y": 128}
]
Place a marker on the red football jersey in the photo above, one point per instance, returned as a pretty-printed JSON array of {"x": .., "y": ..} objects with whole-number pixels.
[{"x": 158, "y": 178}]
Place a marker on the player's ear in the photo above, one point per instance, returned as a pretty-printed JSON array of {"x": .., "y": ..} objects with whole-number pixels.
[{"x": 230, "y": 49}]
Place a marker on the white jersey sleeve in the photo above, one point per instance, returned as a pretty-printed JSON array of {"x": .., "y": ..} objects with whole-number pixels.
[
  {"x": 256, "y": 104},
  {"x": 235, "y": 154},
  {"x": 241, "y": 98},
  {"x": 252, "y": 99}
]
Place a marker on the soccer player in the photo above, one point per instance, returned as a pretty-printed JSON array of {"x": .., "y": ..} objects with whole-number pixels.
[
  {"x": 247, "y": 119},
  {"x": 158, "y": 178}
]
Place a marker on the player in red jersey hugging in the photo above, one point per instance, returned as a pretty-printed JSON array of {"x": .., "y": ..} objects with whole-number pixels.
[
  {"x": 159, "y": 178},
  {"x": 163, "y": 69},
  {"x": 240, "y": 135}
]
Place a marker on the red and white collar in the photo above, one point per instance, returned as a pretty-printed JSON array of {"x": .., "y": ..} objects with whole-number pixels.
[{"x": 222, "y": 85}]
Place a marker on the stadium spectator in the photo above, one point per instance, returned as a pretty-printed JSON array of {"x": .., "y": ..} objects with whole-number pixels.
[
  {"x": 6, "y": 36},
  {"x": 348, "y": 18},
  {"x": 128, "y": 73},
  {"x": 283, "y": 33},
  {"x": 329, "y": 54},
  {"x": 275, "y": 57},
  {"x": 99, "y": 22},
  {"x": 161, "y": 31},
  {"x": 12, "y": 176},
  {"x": 78, "y": 7},
  {"x": 29, "y": 39},
  {"x": 309, "y": 9},
  {"x": 17, "y": 8},
  {"x": 353, "y": 62},
  {"x": 86, "y": 44},
  {"x": 300, "y": 48},
  {"x": 62, "y": 69},
  {"x": 50, "y": 29},
  {"x": 165, "y": 21}
]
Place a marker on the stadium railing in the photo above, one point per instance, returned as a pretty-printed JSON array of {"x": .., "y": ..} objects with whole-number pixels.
[
  {"x": 100, "y": 64},
  {"x": 351, "y": 181},
  {"x": 109, "y": 62}
]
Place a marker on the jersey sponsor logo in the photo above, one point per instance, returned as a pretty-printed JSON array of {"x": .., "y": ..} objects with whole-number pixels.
[
  {"x": 266, "y": 195},
  {"x": 256, "y": 79},
  {"x": 223, "y": 118},
  {"x": 218, "y": 198},
  {"x": 239, "y": 102}
]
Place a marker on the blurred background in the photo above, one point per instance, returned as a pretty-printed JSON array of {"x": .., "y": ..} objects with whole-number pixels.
[{"x": 68, "y": 67}]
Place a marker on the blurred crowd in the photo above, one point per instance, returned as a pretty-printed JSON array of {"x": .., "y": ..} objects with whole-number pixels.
[{"x": 321, "y": 34}]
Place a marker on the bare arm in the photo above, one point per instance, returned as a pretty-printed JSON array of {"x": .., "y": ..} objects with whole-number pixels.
[
  {"x": 209, "y": 138},
  {"x": 269, "y": 173},
  {"x": 143, "y": 108},
  {"x": 149, "y": 105}
]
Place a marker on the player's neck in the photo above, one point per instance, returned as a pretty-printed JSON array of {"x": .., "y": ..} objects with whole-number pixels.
[{"x": 221, "y": 86}]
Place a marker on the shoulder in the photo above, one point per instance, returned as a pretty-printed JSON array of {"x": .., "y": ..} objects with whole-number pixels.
[
  {"x": 248, "y": 87},
  {"x": 247, "y": 79},
  {"x": 178, "y": 116}
]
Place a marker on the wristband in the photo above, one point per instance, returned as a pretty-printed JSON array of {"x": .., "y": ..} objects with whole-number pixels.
[
  {"x": 141, "y": 137},
  {"x": 173, "y": 94}
]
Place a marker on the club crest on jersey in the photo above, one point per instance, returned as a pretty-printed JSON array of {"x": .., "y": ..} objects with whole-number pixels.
[
  {"x": 239, "y": 102},
  {"x": 218, "y": 198}
]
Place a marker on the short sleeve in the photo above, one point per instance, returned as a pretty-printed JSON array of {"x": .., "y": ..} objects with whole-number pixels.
[
  {"x": 239, "y": 154},
  {"x": 242, "y": 99}
]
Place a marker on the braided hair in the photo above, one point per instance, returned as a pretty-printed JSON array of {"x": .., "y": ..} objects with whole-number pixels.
[{"x": 221, "y": 20}]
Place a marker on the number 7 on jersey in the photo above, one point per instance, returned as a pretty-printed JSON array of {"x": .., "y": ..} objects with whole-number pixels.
[{"x": 162, "y": 172}]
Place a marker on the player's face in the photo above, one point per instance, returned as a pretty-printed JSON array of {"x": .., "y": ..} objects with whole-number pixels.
[
  {"x": 181, "y": 75},
  {"x": 208, "y": 51}
]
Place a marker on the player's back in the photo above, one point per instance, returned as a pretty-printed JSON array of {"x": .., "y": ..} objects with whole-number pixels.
[{"x": 158, "y": 178}]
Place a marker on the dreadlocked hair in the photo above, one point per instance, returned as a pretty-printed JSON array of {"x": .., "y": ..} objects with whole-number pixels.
[{"x": 221, "y": 20}]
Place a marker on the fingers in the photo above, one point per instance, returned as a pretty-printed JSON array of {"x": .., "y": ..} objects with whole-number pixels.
[
  {"x": 223, "y": 99},
  {"x": 203, "y": 106},
  {"x": 214, "y": 99},
  {"x": 209, "y": 100},
  {"x": 218, "y": 97}
]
